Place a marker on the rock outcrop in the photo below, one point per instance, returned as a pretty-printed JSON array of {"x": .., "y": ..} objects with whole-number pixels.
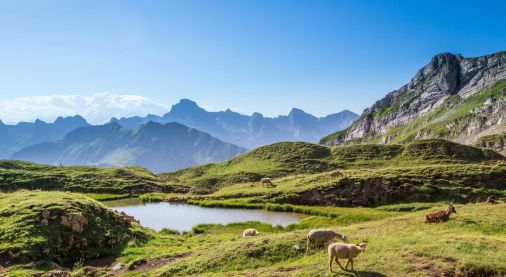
[
  {"x": 62, "y": 227},
  {"x": 495, "y": 142},
  {"x": 452, "y": 97}
]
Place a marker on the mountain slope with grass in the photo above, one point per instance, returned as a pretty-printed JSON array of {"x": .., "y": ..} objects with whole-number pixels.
[
  {"x": 455, "y": 98},
  {"x": 423, "y": 170},
  {"x": 249, "y": 131},
  {"x": 157, "y": 147}
]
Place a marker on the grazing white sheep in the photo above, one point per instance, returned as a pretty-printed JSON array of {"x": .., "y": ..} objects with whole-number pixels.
[
  {"x": 322, "y": 236},
  {"x": 336, "y": 173},
  {"x": 344, "y": 251},
  {"x": 266, "y": 181},
  {"x": 250, "y": 232}
]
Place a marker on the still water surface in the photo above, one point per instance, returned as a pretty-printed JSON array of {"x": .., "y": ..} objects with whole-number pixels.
[{"x": 182, "y": 217}]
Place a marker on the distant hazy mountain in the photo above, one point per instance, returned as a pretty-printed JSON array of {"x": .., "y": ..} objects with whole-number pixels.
[
  {"x": 157, "y": 147},
  {"x": 249, "y": 131},
  {"x": 14, "y": 137}
]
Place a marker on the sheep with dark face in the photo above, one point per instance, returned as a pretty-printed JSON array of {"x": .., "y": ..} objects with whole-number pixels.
[
  {"x": 322, "y": 236},
  {"x": 344, "y": 251},
  {"x": 491, "y": 200}
]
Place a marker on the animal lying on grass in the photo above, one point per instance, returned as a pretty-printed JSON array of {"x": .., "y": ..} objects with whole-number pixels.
[
  {"x": 267, "y": 182},
  {"x": 344, "y": 251},
  {"x": 250, "y": 232},
  {"x": 439, "y": 216},
  {"x": 322, "y": 236},
  {"x": 336, "y": 173}
]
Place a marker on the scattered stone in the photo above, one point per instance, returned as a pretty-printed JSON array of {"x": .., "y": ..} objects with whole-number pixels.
[
  {"x": 84, "y": 242},
  {"x": 58, "y": 273},
  {"x": 137, "y": 264},
  {"x": 70, "y": 242},
  {"x": 75, "y": 222},
  {"x": 117, "y": 267},
  {"x": 46, "y": 214},
  {"x": 44, "y": 222},
  {"x": 176, "y": 199}
]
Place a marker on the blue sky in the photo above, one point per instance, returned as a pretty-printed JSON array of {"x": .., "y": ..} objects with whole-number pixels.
[{"x": 265, "y": 56}]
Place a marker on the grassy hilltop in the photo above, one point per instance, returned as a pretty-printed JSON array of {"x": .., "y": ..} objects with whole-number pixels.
[
  {"x": 425, "y": 170},
  {"x": 16, "y": 175}
]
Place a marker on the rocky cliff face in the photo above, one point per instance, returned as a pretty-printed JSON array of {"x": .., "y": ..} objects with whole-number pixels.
[{"x": 452, "y": 97}]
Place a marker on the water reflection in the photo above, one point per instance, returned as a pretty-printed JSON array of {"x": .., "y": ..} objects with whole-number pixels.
[{"x": 183, "y": 217}]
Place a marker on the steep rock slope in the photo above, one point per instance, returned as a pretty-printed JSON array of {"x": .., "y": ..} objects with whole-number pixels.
[
  {"x": 452, "y": 97},
  {"x": 154, "y": 146}
]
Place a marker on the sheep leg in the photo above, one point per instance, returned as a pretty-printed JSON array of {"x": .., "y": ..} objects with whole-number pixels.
[
  {"x": 307, "y": 247},
  {"x": 331, "y": 258},
  {"x": 350, "y": 261},
  {"x": 337, "y": 261}
]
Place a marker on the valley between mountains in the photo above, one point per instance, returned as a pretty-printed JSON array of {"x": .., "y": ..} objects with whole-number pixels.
[{"x": 438, "y": 139}]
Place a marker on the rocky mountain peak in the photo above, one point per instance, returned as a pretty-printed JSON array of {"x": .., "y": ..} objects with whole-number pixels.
[{"x": 445, "y": 76}]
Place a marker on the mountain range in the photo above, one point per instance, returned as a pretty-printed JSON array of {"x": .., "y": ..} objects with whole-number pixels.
[
  {"x": 249, "y": 131},
  {"x": 157, "y": 147},
  {"x": 15, "y": 137},
  {"x": 452, "y": 97}
]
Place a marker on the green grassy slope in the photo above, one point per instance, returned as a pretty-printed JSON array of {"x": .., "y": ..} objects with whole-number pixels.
[
  {"x": 16, "y": 175},
  {"x": 32, "y": 228},
  {"x": 472, "y": 243},
  {"x": 375, "y": 174}
]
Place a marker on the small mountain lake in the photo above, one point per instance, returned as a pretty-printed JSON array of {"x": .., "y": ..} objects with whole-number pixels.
[{"x": 182, "y": 217}]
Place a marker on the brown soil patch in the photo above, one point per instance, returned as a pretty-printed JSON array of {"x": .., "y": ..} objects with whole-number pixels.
[
  {"x": 149, "y": 264},
  {"x": 427, "y": 264}
]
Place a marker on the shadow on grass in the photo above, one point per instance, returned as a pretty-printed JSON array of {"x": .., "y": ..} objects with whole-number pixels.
[{"x": 359, "y": 274}]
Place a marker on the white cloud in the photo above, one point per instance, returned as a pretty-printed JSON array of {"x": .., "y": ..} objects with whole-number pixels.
[{"x": 97, "y": 108}]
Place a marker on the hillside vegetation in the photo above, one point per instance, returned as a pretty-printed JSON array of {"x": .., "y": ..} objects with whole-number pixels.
[
  {"x": 374, "y": 174},
  {"x": 16, "y": 175},
  {"x": 470, "y": 244},
  {"x": 60, "y": 227}
]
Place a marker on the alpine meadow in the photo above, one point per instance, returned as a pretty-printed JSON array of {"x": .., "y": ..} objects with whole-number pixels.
[{"x": 272, "y": 173}]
